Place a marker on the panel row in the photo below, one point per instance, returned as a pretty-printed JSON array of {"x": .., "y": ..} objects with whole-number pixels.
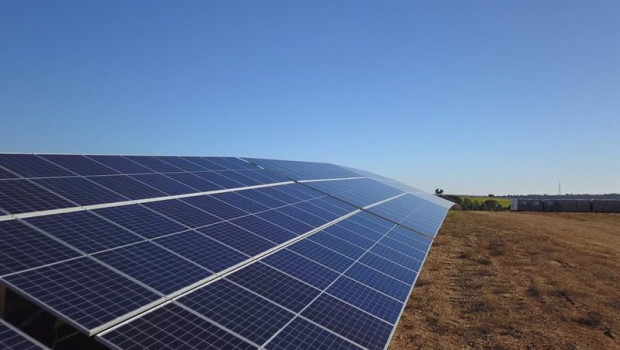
[
  {"x": 155, "y": 249},
  {"x": 359, "y": 192},
  {"x": 30, "y": 195},
  {"x": 13, "y": 339},
  {"x": 347, "y": 285}
]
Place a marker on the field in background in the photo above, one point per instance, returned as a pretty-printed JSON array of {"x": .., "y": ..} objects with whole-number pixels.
[
  {"x": 504, "y": 202},
  {"x": 508, "y": 280}
]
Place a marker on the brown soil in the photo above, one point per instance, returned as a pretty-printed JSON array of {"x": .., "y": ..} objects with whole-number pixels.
[{"x": 507, "y": 280}]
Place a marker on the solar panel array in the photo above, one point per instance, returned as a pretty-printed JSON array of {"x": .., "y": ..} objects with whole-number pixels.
[{"x": 213, "y": 252}]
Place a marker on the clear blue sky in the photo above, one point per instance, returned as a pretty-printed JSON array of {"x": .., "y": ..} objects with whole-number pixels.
[{"x": 470, "y": 96}]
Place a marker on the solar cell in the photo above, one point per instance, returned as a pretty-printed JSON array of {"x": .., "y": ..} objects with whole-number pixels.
[
  {"x": 349, "y": 322},
  {"x": 389, "y": 268},
  {"x": 341, "y": 246},
  {"x": 367, "y": 299},
  {"x": 121, "y": 164},
  {"x": 301, "y": 334},
  {"x": 25, "y": 248},
  {"x": 13, "y": 339},
  {"x": 215, "y": 206},
  {"x": 172, "y": 328},
  {"x": 154, "y": 266},
  {"x": 241, "y": 202},
  {"x": 326, "y": 256},
  {"x": 194, "y": 181},
  {"x": 202, "y": 250},
  {"x": 302, "y": 268},
  {"x": 128, "y": 187},
  {"x": 277, "y": 194},
  {"x": 22, "y": 196},
  {"x": 238, "y": 309},
  {"x": 275, "y": 286},
  {"x": 277, "y": 217},
  {"x": 154, "y": 164},
  {"x": 79, "y": 164},
  {"x": 238, "y": 238},
  {"x": 379, "y": 281},
  {"x": 141, "y": 220},
  {"x": 240, "y": 178},
  {"x": 396, "y": 257},
  {"x": 218, "y": 178},
  {"x": 5, "y": 174},
  {"x": 183, "y": 213},
  {"x": 79, "y": 190},
  {"x": 264, "y": 229},
  {"x": 262, "y": 198},
  {"x": 85, "y": 231},
  {"x": 30, "y": 165},
  {"x": 302, "y": 215},
  {"x": 204, "y": 163},
  {"x": 84, "y": 292},
  {"x": 181, "y": 163},
  {"x": 164, "y": 184}
]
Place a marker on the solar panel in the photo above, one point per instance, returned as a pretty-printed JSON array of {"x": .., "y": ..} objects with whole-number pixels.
[
  {"x": 12, "y": 338},
  {"x": 213, "y": 252}
]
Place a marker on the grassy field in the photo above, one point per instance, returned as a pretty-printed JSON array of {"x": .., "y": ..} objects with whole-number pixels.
[
  {"x": 505, "y": 280},
  {"x": 504, "y": 202}
]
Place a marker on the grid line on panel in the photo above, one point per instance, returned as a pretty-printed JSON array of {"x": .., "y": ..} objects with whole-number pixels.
[{"x": 11, "y": 338}]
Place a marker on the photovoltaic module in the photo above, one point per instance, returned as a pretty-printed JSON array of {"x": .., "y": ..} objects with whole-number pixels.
[{"x": 212, "y": 252}]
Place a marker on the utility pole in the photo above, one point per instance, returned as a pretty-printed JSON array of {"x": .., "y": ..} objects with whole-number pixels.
[{"x": 559, "y": 188}]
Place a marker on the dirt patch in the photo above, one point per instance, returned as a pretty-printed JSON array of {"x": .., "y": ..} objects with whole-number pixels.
[{"x": 503, "y": 280}]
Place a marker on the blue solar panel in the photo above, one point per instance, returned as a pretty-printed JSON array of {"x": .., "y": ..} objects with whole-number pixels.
[
  {"x": 154, "y": 164},
  {"x": 85, "y": 231},
  {"x": 342, "y": 287},
  {"x": 30, "y": 165},
  {"x": 240, "y": 178},
  {"x": 302, "y": 334},
  {"x": 128, "y": 187},
  {"x": 341, "y": 246},
  {"x": 304, "y": 170},
  {"x": 241, "y": 202},
  {"x": 164, "y": 184},
  {"x": 154, "y": 266},
  {"x": 264, "y": 229},
  {"x": 238, "y": 238},
  {"x": 183, "y": 213},
  {"x": 402, "y": 248},
  {"x": 389, "y": 268},
  {"x": 194, "y": 181},
  {"x": 302, "y": 215},
  {"x": 262, "y": 198},
  {"x": 202, "y": 250},
  {"x": 5, "y": 174},
  {"x": 13, "y": 339},
  {"x": 238, "y": 309},
  {"x": 171, "y": 328},
  {"x": 82, "y": 291},
  {"x": 181, "y": 163},
  {"x": 285, "y": 221},
  {"x": 22, "y": 196},
  {"x": 367, "y": 299},
  {"x": 25, "y": 248},
  {"x": 216, "y": 207},
  {"x": 379, "y": 281},
  {"x": 218, "y": 179},
  {"x": 275, "y": 285},
  {"x": 326, "y": 256},
  {"x": 349, "y": 322},
  {"x": 121, "y": 164},
  {"x": 302, "y": 268},
  {"x": 277, "y": 194},
  {"x": 397, "y": 257},
  {"x": 80, "y": 190},
  {"x": 141, "y": 220},
  {"x": 79, "y": 164},
  {"x": 204, "y": 163}
]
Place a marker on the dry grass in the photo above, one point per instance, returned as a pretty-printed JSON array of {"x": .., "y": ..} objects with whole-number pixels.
[{"x": 508, "y": 280}]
